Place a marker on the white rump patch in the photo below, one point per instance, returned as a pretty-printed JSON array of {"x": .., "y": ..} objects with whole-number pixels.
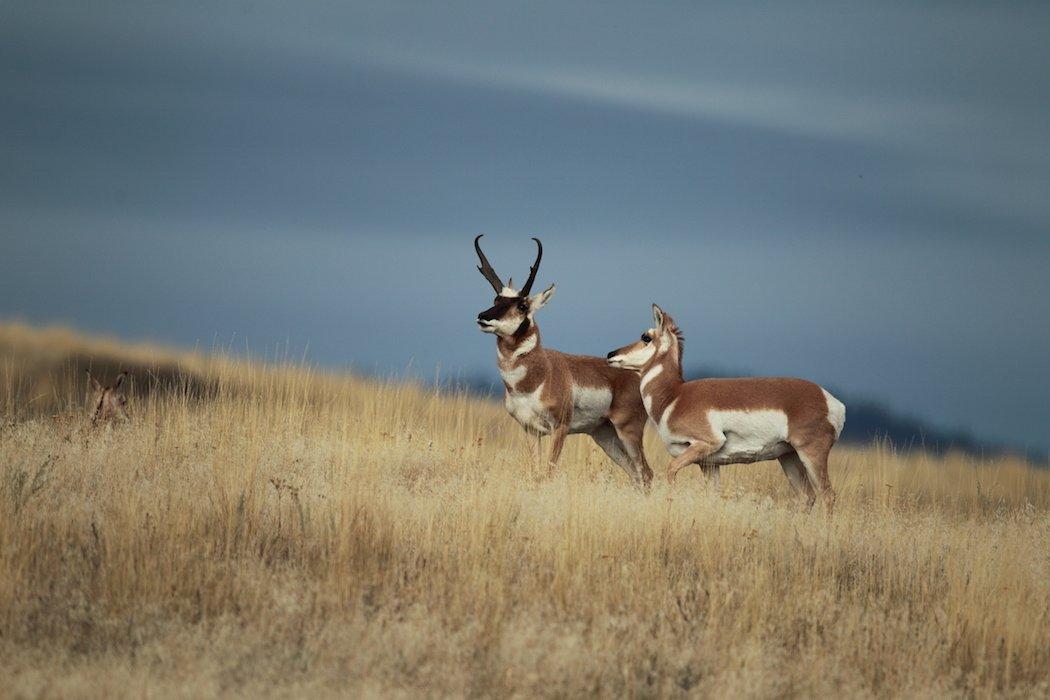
[
  {"x": 836, "y": 413},
  {"x": 750, "y": 436},
  {"x": 590, "y": 407}
]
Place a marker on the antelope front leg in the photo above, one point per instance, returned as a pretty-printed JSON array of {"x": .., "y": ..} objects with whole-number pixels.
[
  {"x": 557, "y": 442},
  {"x": 693, "y": 454}
]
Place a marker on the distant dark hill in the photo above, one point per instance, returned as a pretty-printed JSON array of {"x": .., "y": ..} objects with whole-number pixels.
[
  {"x": 869, "y": 420},
  {"x": 866, "y": 420}
]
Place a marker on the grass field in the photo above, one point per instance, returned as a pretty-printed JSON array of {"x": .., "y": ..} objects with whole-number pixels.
[{"x": 270, "y": 530}]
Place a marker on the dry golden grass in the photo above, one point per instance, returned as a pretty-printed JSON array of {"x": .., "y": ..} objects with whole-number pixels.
[{"x": 273, "y": 531}]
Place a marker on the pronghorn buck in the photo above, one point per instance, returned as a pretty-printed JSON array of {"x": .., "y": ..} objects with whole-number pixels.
[
  {"x": 108, "y": 403},
  {"x": 552, "y": 393},
  {"x": 712, "y": 422}
]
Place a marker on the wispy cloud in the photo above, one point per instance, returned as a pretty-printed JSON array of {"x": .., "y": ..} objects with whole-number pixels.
[
  {"x": 970, "y": 135},
  {"x": 788, "y": 108}
]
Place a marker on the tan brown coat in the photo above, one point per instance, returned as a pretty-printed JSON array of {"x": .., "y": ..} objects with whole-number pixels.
[
  {"x": 711, "y": 422},
  {"x": 557, "y": 394}
]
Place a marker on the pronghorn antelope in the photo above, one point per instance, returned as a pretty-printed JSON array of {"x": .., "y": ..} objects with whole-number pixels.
[
  {"x": 552, "y": 393},
  {"x": 108, "y": 402},
  {"x": 712, "y": 422}
]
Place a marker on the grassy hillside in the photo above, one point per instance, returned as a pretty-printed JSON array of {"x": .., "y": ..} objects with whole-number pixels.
[{"x": 263, "y": 530}]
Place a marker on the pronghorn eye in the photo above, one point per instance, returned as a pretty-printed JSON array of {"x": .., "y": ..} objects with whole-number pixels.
[
  {"x": 523, "y": 307},
  {"x": 646, "y": 338}
]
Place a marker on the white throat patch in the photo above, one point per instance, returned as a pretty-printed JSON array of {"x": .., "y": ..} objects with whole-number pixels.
[
  {"x": 527, "y": 346},
  {"x": 649, "y": 376},
  {"x": 513, "y": 375},
  {"x": 512, "y": 372}
]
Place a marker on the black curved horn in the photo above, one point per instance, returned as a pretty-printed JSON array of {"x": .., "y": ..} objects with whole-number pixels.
[
  {"x": 532, "y": 270},
  {"x": 486, "y": 269}
]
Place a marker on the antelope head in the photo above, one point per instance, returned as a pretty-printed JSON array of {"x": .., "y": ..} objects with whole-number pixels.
[
  {"x": 513, "y": 310},
  {"x": 108, "y": 402},
  {"x": 653, "y": 342}
]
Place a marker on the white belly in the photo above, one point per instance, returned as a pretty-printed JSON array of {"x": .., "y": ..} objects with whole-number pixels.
[
  {"x": 590, "y": 408},
  {"x": 750, "y": 436},
  {"x": 529, "y": 410}
]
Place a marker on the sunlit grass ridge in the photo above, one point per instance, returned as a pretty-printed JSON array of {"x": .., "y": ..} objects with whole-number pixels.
[{"x": 260, "y": 529}]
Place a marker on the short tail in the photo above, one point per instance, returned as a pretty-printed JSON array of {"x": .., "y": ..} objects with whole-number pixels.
[{"x": 836, "y": 413}]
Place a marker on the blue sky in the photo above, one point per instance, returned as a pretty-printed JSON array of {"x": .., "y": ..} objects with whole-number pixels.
[{"x": 850, "y": 192}]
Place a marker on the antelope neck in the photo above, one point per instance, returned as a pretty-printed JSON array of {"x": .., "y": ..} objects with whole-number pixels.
[
  {"x": 524, "y": 341},
  {"x": 659, "y": 384}
]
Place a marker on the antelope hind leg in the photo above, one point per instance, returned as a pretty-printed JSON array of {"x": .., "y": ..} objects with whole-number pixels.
[{"x": 609, "y": 440}]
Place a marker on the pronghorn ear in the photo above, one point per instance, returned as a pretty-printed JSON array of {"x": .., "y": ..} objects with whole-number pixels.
[
  {"x": 538, "y": 301},
  {"x": 120, "y": 381},
  {"x": 92, "y": 381},
  {"x": 658, "y": 316}
]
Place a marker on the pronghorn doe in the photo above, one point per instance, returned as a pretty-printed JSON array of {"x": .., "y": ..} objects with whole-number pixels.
[
  {"x": 712, "y": 422},
  {"x": 109, "y": 402},
  {"x": 552, "y": 393}
]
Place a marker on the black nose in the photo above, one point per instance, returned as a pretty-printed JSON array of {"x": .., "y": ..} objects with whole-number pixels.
[{"x": 610, "y": 355}]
